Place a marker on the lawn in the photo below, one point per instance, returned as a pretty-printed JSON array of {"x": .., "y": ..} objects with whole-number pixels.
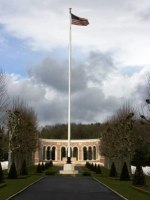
[
  {"x": 14, "y": 186},
  {"x": 123, "y": 187}
]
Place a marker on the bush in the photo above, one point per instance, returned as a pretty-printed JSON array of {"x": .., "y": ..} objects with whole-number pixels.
[
  {"x": 48, "y": 164},
  {"x": 13, "y": 172},
  {"x": 39, "y": 168},
  {"x": 1, "y": 174},
  {"x": 52, "y": 172},
  {"x": 139, "y": 177},
  {"x": 43, "y": 166},
  {"x": 86, "y": 173},
  {"x": 98, "y": 169},
  {"x": 113, "y": 172},
  {"x": 24, "y": 170},
  {"x": 124, "y": 173}
]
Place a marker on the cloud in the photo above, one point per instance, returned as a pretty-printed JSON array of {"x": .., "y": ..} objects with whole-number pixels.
[
  {"x": 54, "y": 73},
  {"x": 114, "y": 25},
  {"x": 110, "y": 56},
  {"x": 93, "y": 98}
]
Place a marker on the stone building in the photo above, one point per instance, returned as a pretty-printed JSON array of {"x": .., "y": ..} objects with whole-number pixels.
[{"x": 81, "y": 151}]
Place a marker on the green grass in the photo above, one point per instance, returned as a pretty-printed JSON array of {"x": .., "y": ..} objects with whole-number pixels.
[
  {"x": 122, "y": 187},
  {"x": 15, "y": 185}
]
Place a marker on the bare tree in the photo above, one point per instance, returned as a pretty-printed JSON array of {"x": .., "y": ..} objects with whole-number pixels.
[
  {"x": 119, "y": 140},
  {"x": 4, "y": 103},
  {"x": 4, "y": 99},
  {"x": 22, "y": 124}
]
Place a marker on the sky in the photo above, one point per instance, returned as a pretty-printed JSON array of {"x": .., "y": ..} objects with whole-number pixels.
[{"x": 110, "y": 56}]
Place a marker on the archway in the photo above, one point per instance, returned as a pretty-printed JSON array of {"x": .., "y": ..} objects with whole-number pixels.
[
  {"x": 53, "y": 153},
  {"x": 48, "y": 153},
  {"x": 94, "y": 153},
  {"x": 63, "y": 152},
  {"x": 84, "y": 153},
  {"x": 75, "y": 152},
  {"x": 43, "y": 153},
  {"x": 90, "y": 153}
]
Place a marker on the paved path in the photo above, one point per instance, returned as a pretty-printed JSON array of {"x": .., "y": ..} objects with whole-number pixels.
[{"x": 67, "y": 188}]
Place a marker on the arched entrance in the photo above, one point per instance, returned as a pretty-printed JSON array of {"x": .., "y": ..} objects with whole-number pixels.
[
  {"x": 75, "y": 152},
  {"x": 90, "y": 153},
  {"x": 84, "y": 153},
  {"x": 48, "y": 153},
  {"x": 53, "y": 153},
  {"x": 63, "y": 152},
  {"x": 43, "y": 153},
  {"x": 94, "y": 153}
]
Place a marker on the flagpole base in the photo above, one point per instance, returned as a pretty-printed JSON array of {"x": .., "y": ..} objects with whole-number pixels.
[
  {"x": 68, "y": 168},
  {"x": 68, "y": 160}
]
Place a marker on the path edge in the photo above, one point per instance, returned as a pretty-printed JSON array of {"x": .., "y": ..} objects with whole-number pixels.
[
  {"x": 110, "y": 189},
  {"x": 25, "y": 188}
]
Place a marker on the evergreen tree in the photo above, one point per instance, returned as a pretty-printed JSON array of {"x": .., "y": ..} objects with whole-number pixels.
[
  {"x": 43, "y": 166},
  {"x": 113, "y": 172},
  {"x": 39, "y": 168},
  {"x": 124, "y": 173},
  {"x": 13, "y": 172},
  {"x": 98, "y": 169},
  {"x": 24, "y": 170},
  {"x": 1, "y": 174},
  {"x": 139, "y": 178},
  {"x": 94, "y": 167}
]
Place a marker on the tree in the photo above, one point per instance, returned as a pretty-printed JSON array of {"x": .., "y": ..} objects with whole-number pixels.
[
  {"x": 113, "y": 172},
  {"x": 24, "y": 170},
  {"x": 139, "y": 177},
  {"x": 4, "y": 103},
  {"x": 12, "y": 172},
  {"x": 1, "y": 174},
  {"x": 3, "y": 144},
  {"x": 98, "y": 169},
  {"x": 120, "y": 136},
  {"x": 39, "y": 168},
  {"x": 124, "y": 176},
  {"x": 22, "y": 125}
]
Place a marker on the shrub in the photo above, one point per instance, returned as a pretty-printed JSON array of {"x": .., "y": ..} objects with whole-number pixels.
[
  {"x": 43, "y": 166},
  {"x": 94, "y": 167},
  {"x": 52, "y": 172},
  {"x": 39, "y": 168},
  {"x": 1, "y": 174},
  {"x": 113, "y": 172},
  {"x": 13, "y": 172},
  {"x": 98, "y": 169},
  {"x": 139, "y": 177},
  {"x": 124, "y": 173},
  {"x": 86, "y": 173},
  {"x": 24, "y": 170}
]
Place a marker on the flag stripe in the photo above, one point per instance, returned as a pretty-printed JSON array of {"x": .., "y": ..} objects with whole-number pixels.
[{"x": 78, "y": 20}]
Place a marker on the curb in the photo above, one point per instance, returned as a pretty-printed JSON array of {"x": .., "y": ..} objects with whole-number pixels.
[
  {"x": 110, "y": 189},
  {"x": 24, "y": 188}
]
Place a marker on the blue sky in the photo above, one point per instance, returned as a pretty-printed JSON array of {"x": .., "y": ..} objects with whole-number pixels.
[{"x": 110, "y": 55}]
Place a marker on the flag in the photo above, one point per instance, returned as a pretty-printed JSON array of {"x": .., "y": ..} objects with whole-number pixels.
[{"x": 78, "y": 20}]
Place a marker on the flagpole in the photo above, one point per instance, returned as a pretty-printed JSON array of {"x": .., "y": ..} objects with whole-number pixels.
[{"x": 69, "y": 94}]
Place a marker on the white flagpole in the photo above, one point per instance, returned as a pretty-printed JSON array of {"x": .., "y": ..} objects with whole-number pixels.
[{"x": 69, "y": 94}]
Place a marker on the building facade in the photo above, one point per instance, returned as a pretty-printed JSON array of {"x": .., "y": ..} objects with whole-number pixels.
[{"x": 56, "y": 150}]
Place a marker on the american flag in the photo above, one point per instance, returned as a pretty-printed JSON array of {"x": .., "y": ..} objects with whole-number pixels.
[{"x": 78, "y": 20}]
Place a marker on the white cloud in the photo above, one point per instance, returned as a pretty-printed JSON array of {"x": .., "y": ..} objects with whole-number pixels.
[
  {"x": 114, "y": 24},
  {"x": 93, "y": 99},
  {"x": 117, "y": 38}
]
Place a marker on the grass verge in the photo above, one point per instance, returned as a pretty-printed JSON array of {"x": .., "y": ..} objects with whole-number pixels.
[{"x": 122, "y": 187}]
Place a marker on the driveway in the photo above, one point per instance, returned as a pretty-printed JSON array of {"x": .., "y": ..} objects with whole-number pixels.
[{"x": 67, "y": 188}]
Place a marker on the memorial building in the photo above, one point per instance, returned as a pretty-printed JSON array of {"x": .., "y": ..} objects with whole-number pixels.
[{"x": 81, "y": 151}]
